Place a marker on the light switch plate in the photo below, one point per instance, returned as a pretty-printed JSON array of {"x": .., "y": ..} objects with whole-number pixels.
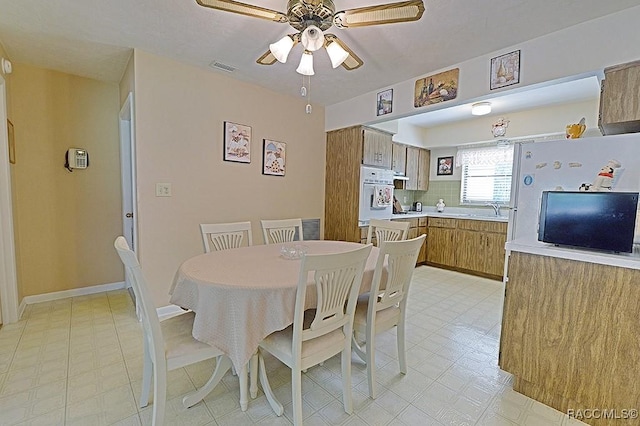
[{"x": 163, "y": 190}]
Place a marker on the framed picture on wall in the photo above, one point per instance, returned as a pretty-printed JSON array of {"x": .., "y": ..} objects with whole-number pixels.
[
  {"x": 505, "y": 70},
  {"x": 445, "y": 166},
  {"x": 384, "y": 104},
  {"x": 274, "y": 158},
  {"x": 237, "y": 142}
]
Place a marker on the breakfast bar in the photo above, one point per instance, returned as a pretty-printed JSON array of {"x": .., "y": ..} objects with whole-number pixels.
[{"x": 570, "y": 333}]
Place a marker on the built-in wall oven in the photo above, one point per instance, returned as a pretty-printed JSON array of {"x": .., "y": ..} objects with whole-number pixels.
[{"x": 376, "y": 193}]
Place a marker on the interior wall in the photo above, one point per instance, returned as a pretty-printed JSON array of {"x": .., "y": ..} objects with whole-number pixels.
[
  {"x": 580, "y": 50},
  {"x": 180, "y": 111},
  {"x": 539, "y": 121},
  {"x": 66, "y": 221}
]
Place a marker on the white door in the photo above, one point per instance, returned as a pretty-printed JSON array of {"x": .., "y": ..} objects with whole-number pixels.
[
  {"x": 8, "y": 280},
  {"x": 128, "y": 174}
]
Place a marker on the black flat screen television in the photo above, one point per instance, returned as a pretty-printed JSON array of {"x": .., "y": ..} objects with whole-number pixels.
[{"x": 594, "y": 220}]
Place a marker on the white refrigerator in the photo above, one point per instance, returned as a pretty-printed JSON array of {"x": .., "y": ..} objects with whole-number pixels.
[{"x": 564, "y": 165}]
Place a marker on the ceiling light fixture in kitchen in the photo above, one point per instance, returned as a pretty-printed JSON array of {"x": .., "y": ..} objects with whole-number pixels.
[{"x": 481, "y": 108}]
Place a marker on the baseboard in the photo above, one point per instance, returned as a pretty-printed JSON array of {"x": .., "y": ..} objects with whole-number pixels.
[
  {"x": 164, "y": 312},
  {"x": 56, "y": 295}
]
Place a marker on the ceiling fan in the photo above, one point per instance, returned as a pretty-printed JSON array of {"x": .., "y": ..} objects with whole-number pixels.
[{"x": 311, "y": 18}]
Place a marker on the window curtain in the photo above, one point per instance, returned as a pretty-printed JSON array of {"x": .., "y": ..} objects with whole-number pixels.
[{"x": 485, "y": 156}]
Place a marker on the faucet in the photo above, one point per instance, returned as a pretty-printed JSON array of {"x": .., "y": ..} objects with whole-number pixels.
[{"x": 496, "y": 207}]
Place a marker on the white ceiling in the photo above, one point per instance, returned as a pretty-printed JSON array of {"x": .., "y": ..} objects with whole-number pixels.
[{"x": 94, "y": 38}]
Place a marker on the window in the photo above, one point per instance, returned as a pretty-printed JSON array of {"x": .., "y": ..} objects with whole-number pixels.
[{"x": 486, "y": 174}]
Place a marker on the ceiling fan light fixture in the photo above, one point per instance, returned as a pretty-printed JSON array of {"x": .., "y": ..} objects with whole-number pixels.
[
  {"x": 306, "y": 64},
  {"x": 281, "y": 48},
  {"x": 312, "y": 38},
  {"x": 337, "y": 54},
  {"x": 481, "y": 108}
]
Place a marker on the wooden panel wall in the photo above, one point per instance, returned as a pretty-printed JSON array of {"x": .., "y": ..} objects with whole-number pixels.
[
  {"x": 571, "y": 333},
  {"x": 344, "y": 156}
]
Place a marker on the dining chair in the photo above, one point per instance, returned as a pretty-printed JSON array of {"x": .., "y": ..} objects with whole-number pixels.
[
  {"x": 281, "y": 231},
  {"x": 384, "y": 307},
  {"x": 387, "y": 230},
  {"x": 168, "y": 344},
  {"x": 318, "y": 334},
  {"x": 223, "y": 236}
]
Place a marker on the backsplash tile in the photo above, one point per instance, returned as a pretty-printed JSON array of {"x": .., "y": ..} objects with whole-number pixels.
[{"x": 449, "y": 190}]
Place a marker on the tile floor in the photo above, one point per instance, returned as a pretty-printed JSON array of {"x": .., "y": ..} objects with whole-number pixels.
[{"x": 78, "y": 361}]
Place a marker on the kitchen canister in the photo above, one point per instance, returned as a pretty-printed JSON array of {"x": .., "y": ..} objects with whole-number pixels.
[{"x": 440, "y": 205}]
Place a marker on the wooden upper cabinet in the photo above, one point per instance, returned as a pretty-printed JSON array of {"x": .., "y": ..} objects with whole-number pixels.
[
  {"x": 424, "y": 167},
  {"x": 619, "y": 106},
  {"x": 399, "y": 162},
  {"x": 376, "y": 148},
  {"x": 418, "y": 167}
]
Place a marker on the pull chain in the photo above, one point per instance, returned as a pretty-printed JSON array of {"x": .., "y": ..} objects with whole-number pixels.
[{"x": 308, "y": 109}]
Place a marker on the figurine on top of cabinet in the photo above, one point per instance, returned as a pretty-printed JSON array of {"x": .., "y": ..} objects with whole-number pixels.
[
  {"x": 574, "y": 131},
  {"x": 604, "y": 180}
]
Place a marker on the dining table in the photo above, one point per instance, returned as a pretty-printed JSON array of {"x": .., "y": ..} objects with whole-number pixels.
[{"x": 241, "y": 295}]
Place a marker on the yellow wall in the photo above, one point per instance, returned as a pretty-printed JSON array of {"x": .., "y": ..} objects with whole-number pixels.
[
  {"x": 65, "y": 222},
  {"x": 180, "y": 110}
]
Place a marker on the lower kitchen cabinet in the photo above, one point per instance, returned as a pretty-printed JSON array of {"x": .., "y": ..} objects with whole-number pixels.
[{"x": 474, "y": 246}]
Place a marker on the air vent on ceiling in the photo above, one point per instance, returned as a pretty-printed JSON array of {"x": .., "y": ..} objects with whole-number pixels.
[{"x": 221, "y": 66}]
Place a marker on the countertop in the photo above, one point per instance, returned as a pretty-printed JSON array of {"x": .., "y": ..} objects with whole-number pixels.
[
  {"x": 453, "y": 213},
  {"x": 623, "y": 260}
]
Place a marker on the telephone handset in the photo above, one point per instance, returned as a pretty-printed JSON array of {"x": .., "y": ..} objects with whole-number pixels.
[{"x": 76, "y": 158}]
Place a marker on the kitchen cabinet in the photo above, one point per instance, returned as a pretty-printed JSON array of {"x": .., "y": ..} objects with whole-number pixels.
[
  {"x": 440, "y": 241},
  {"x": 619, "y": 106},
  {"x": 475, "y": 246},
  {"x": 422, "y": 229},
  {"x": 376, "y": 148},
  {"x": 399, "y": 159},
  {"x": 342, "y": 184},
  {"x": 417, "y": 168},
  {"x": 480, "y": 246}
]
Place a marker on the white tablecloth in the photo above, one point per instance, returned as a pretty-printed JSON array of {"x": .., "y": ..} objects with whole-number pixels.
[{"x": 242, "y": 295}]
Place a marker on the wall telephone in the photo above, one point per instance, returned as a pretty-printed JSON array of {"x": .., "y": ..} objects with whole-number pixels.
[{"x": 76, "y": 158}]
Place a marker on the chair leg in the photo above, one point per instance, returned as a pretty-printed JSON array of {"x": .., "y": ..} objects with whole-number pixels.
[
  {"x": 371, "y": 364},
  {"x": 253, "y": 375},
  {"x": 159, "y": 394},
  {"x": 147, "y": 370},
  {"x": 402, "y": 351},
  {"x": 266, "y": 387},
  {"x": 296, "y": 395},
  {"x": 223, "y": 364},
  {"x": 346, "y": 378}
]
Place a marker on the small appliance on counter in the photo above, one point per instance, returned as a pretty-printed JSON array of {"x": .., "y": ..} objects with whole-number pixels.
[{"x": 417, "y": 206}]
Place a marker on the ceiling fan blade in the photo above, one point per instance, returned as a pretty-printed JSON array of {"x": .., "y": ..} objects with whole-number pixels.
[
  {"x": 268, "y": 59},
  {"x": 404, "y": 11},
  {"x": 353, "y": 61},
  {"x": 244, "y": 9}
]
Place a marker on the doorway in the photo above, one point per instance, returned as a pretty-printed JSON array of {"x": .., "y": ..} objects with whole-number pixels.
[
  {"x": 128, "y": 175},
  {"x": 8, "y": 277}
]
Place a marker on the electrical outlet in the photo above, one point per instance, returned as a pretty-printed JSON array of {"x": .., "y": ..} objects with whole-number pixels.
[{"x": 163, "y": 190}]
